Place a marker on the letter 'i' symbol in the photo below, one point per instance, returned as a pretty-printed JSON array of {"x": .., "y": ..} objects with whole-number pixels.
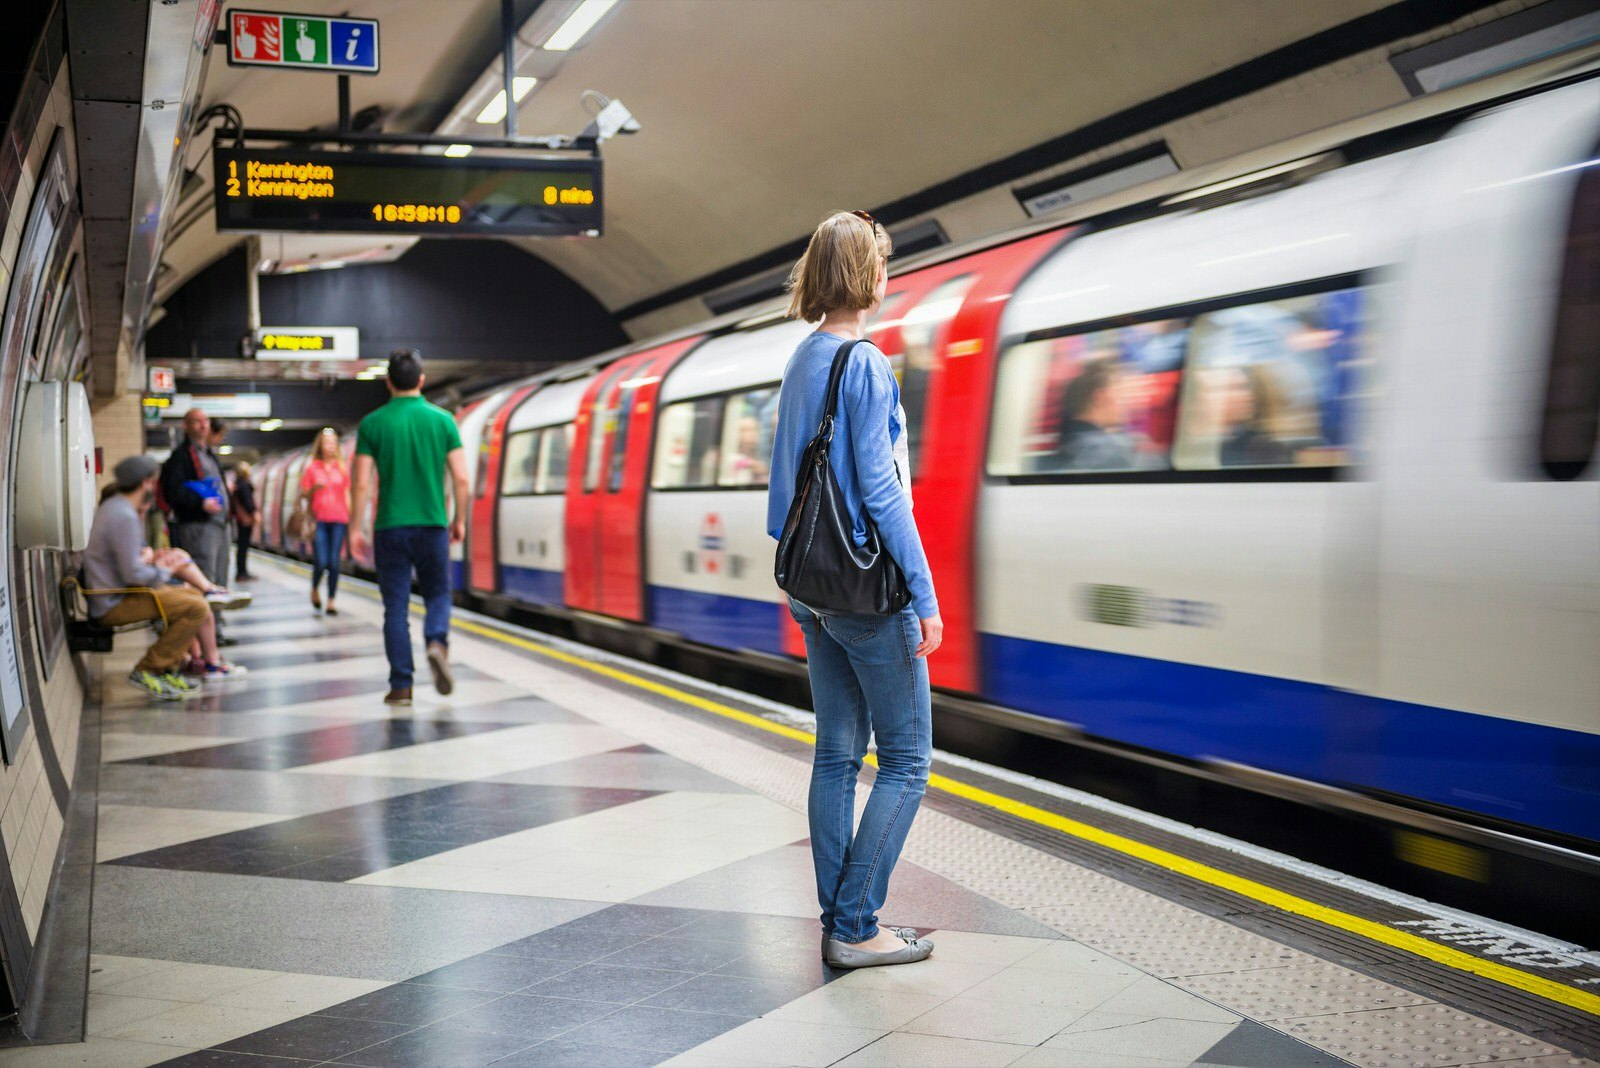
[{"x": 350, "y": 49}]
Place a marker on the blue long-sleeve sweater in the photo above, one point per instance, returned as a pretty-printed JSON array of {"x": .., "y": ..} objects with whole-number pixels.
[{"x": 866, "y": 432}]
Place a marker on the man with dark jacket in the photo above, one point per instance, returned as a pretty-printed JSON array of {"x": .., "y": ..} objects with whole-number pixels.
[{"x": 197, "y": 494}]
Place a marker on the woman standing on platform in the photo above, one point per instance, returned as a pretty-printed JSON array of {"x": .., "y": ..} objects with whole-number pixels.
[
  {"x": 869, "y": 673},
  {"x": 326, "y": 485},
  {"x": 244, "y": 517}
]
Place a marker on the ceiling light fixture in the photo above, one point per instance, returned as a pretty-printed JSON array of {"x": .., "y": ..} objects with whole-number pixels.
[
  {"x": 458, "y": 151},
  {"x": 580, "y": 22},
  {"x": 494, "y": 112},
  {"x": 269, "y": 425}
]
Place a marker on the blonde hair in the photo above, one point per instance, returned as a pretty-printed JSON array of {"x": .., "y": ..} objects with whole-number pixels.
[
  {"x": 840, "y": 267},
  {"x": 242, "y": 470},
  {"x": 316, "y": 446}
]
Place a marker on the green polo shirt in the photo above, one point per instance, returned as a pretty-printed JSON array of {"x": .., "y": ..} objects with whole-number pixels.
[{"x": 408, "y": 439}]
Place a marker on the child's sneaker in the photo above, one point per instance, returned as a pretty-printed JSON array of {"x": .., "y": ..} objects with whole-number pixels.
[
  {"x": 223, "y": 671},
  {"x": 224, "y": 598},
  {"x": 154, "y": 686},
  {"x": 182, "y": 684}
]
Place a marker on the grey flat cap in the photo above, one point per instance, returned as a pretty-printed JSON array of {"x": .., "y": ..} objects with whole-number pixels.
[{"x": 133, "y": 470}]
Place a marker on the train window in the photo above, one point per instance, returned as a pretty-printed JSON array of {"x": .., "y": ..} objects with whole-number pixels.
[
  {"x": 747, "y": 428},
  {"x": 1098, "y": 401},
  {"x": 519, "y": 478},
  {"x": 620, "y": 417},
  {"x": 601, "y": 423},
  {"x": 554, "y": 456},
  {"x": 1265, "y": 383},
  {"x": 1571, "y": 420},
  {"x": 686, "y": 444},
  {"x": 922, "y": 335}
]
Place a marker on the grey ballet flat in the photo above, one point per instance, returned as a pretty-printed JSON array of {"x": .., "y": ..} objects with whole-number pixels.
[
  {"x": 844, "y": 955},
  {"x": 905, "y": 934}
]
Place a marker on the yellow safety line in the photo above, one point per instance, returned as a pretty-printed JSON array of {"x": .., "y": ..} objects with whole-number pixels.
[{"x": 1161, "y": 858}]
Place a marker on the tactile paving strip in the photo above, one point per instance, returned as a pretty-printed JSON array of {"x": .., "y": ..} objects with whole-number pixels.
[
  {"x": 1304, "y": 988},
  {"x": 1143, "y": 929},
  {"x": 1419, "y": 1036}
]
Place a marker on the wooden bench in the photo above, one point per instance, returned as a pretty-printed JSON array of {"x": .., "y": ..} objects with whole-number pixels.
[{"x": 87, "y": 635}]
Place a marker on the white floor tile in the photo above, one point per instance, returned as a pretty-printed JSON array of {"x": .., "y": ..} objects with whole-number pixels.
[
  {"x": 1021, "y": 1023},
  {"x": 200, "y": 1026},
  {"x": 107, "y": 970},
  {"x": 988, "y": 948},
  {"x": 109, "y": 1012},
  {"x": 932, "y": 1051},
  {"x": 479, "y": 756},
  {"x": 297, "y": 995},
  {"x": 787, "y": 1042},
  {"x": 97, "y": 1052},
  {"x": 841, "y": 1007},
  {"x": 189, "y": 983}
]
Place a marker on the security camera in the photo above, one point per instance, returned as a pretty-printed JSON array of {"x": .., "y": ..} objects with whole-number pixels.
[{"x": 612, "y": 120}]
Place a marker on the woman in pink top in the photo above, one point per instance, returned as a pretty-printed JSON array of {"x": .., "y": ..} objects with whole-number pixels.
[{"x": 326, "y": 485}]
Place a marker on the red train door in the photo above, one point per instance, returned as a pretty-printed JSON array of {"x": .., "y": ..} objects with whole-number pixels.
[
  {"x": 483, "y": 554},
  {"x": 958, "y": 316},
  {"x": 605, "y": 509}
]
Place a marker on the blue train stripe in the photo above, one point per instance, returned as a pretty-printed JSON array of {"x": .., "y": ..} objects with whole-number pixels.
[
  {"x": 716, "y": 619},
  {"x": 1532, "y": 774},
  {"x": 535, "y": 585}
]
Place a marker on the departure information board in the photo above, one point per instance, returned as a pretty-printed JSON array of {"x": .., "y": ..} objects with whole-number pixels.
[{"x": 395, "y": 193}]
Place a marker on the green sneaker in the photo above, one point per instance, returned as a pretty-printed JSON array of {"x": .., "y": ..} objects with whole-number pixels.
[
  {"x": 155, "y": 686},
  {"x": 177, "y": 681}
]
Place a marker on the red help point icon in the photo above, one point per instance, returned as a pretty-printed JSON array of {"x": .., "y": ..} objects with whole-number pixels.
[{"x": 258, "y": 38}]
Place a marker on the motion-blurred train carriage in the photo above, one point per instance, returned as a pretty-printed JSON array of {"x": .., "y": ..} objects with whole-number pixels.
[{"x": 1294, "y": 472}]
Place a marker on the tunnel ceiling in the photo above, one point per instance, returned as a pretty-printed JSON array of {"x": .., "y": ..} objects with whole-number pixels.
[{"x": 757, "y": 117}]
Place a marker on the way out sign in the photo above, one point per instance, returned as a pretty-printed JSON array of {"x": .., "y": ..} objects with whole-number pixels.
[{"x": 302, "y": 42}]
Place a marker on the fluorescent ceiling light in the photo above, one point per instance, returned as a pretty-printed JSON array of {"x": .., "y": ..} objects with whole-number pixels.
[
  {"x": 457, "y": 151},
  {"x": 580, "y": 22},
  {"x": 225, "y": 450},
  {"x": 271, "y": 424},
  {"x": 495, "y": 110}
]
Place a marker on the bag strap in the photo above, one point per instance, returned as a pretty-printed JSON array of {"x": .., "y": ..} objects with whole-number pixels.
[{"x": 835, "y": 379}]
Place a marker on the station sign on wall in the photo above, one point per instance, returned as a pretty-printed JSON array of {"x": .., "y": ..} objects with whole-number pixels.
[
  {"x": 406, "y": 193},
  {"x": 308, "y": 343},
  {"x": 291, "y": 41}
]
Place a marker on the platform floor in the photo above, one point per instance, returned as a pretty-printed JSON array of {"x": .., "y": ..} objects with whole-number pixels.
[{"x": 553, "y": 867}]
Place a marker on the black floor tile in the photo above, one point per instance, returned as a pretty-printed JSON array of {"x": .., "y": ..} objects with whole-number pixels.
[
  {"x": 1252, "y": 1045},
  {"x": 571, "y": 946},
  {"x": 750, "y": 929},
  {"x": 601, "y": 982},
  {"x": 347, "y": 843},
  {"x": 438, "y": 1046},
  {"x": 663, "y": 1030},
  {"x": 217, "y": 1058},
  {"x": 732, "y": 995},
  {"x": 262, "y": 695},
  {"x": 535, "y": 1018},
  {"x": 411, "y": 1003},
  {"x": 559, "y": 1053},
  {"x": 786, "y": 962},
  {"x": 283, "y": 751},
  {"x": 671, "y": 953},
  {"x": 318, "y": 1038},
  {"x": 493, "y": 972}
]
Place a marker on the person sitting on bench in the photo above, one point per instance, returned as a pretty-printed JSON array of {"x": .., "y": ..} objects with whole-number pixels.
[{"x": 115, "y": 559}]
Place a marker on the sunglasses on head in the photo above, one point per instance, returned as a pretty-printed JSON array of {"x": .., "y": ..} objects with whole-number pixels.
[{"x": 867, "y": 217}]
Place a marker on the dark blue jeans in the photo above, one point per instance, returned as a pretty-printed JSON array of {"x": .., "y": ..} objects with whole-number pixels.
[
  {"x": 865, "y": 682},
  {"x": 327, "y": 547},
  {"x": 397, "y": 552}
]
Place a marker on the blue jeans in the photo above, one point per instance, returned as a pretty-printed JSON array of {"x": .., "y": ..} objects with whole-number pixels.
[
  {"x": 327, "y": 548},
  {"x": 396, "y": 553},
  {"x": 865, "y": 680}
]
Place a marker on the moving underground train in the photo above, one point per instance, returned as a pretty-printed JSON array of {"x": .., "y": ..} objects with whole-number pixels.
[{"x": 1293, "y": 473}]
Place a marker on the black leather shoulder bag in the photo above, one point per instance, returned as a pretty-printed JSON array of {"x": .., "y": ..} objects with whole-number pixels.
[{"x": 819, "y": 563}]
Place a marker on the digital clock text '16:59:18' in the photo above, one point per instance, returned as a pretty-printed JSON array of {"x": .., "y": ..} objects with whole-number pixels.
[{"x": 416, "y": 213}]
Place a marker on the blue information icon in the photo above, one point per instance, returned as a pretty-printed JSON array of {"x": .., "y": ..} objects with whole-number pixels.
[{"x": 353, "y": 45}]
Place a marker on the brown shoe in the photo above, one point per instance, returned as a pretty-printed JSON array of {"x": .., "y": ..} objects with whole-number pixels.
[
  {"x": 316, "y": 600},
  {"x": 400, "y": 696},
  {"x": 439, "y": 661}
]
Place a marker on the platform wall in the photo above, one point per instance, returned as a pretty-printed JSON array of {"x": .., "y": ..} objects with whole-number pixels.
[{"x": 43, "y": 335}]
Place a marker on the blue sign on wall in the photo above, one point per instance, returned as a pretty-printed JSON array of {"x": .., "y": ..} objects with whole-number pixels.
[{"x": 354, "y": 44}]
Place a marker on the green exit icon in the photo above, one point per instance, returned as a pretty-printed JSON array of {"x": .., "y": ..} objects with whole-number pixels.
[{"x": 305, "y": 40}]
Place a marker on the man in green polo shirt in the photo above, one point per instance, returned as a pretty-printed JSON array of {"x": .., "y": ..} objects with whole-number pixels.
[{"x": 411, "y": 444}]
